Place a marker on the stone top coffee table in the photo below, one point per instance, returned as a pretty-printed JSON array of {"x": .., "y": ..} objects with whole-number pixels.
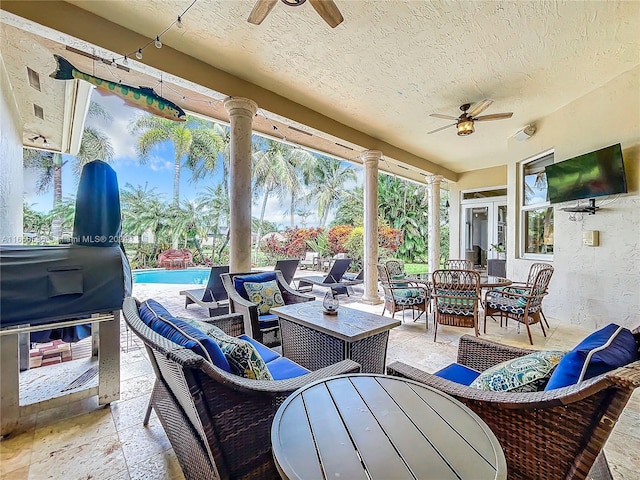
[{"x": 315, "y": 340}]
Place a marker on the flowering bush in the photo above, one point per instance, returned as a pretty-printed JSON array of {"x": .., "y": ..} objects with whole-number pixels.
[
  {"x": 338, "y": 236},
  {"x": 294, "y": 245}
]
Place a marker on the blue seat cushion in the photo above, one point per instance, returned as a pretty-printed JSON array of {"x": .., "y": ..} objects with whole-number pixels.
[
  {"x": 282, "y": 369},
  {"x": 178, "y": 331},
  {"x": 268, "y": 320},
  {"x": 238, "y": 282},
  {"x": 604, "y": 350},
  {"x": 266, "y": 353},
  {"x": 458, "y": 373}
]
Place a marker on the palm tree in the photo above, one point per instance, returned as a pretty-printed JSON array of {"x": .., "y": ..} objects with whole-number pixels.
[
  {"x": 214, "y": 208},
  {"x": 275, "y": 172},
  {"x": 328, "y": 185},
  {"x": 143, "y": 210},
  {"x": 95, "y": 145},
  {"x": 194, "y": 142},
  {"x": 49, "y": 166}
]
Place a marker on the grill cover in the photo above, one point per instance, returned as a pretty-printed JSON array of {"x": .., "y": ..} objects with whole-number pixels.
[{"x": 45, "y": 284}]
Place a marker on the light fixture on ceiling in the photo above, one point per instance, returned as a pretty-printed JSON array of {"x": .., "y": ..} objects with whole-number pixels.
[
  {"x": 465, "y": 127},
  {"x": 157, "y": 42},
  {"x": 179, "y": 22}
]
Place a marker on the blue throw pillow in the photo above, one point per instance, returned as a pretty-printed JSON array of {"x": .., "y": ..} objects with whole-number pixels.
[
  {"x": 604, "y": 350},
  {"x": 238, "y": 282},
  {"x": 178, "y": 331}
]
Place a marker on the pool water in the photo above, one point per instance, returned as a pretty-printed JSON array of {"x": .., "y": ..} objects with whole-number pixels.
[{"x": 196, "y": 276}]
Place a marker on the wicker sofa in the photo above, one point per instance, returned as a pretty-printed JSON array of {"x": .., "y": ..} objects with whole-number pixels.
[
  {"x": 218, "y": 423},
  {"x": 554, "y": 434}
]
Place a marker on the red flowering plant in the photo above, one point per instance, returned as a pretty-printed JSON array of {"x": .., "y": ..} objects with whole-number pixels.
[{"x": 337, "y": 237}]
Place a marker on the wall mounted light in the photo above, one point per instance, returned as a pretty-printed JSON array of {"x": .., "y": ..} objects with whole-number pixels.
[{"x": 34, "y": 139}]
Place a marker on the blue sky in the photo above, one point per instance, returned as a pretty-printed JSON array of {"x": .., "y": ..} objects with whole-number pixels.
[{"x": 157, "y": 173}]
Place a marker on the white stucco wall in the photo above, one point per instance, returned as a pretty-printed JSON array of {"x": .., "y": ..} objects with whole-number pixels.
[
  {"x": 11, "y": 171},
  {"x": 591, "y": 286}
]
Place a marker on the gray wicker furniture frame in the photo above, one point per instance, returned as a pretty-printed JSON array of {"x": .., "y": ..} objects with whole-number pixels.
[
  {"x": 456, "y": 298},
  {"x": 504, "y": 302},
  {"x": 237, "y": 304},
  {"x": 555, "y": 434},
  {"x": 219, "y": 424},
  {"x": 315, "y": 340}
]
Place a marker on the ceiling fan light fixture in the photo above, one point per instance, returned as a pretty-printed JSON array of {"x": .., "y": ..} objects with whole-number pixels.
[{"x": 465, "y": 127}]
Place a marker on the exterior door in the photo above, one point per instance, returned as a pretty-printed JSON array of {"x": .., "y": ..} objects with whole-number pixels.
[{"x": 484, "y": 225}]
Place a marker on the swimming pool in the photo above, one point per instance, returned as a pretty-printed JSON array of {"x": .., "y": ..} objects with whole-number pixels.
[{"x": 196, "y": 276}]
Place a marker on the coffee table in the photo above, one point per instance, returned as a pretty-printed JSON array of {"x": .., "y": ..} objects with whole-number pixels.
[
  {"x": 376, "y": 427},
  {"x": 316, "y": 340}
]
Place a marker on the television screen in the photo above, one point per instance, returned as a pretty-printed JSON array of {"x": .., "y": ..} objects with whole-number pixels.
[{"x": 586, "y": 176}]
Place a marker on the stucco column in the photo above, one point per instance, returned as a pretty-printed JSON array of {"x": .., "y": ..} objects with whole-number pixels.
[
  {"x": 241, "y": 113},
  {"x": 370, "y": 159},
  {"x": 434, "y": 222}
]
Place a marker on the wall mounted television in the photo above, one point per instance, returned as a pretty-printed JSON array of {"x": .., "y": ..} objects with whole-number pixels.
[{"x": 590, "y": 175}]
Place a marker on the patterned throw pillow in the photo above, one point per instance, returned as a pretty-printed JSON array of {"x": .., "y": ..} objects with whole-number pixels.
[
  {"x": 524, "y": 374},
  {"x": 241, "y": 355},
  {"x": 265, "y": 295}
]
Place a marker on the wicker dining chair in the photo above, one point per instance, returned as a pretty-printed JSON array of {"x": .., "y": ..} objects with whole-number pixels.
[
  {"x": 456, "y": 296},
  {"x": 458, "y": 264},
  {"x": 553, "y": 434},
  {"x": 533, "y": 273},
  {"x": 399, "y": 297},
  {"x": 521, "y": 304}
]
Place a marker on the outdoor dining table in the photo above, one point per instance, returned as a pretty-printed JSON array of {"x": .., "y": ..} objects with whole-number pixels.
[
  {"x": 381, "y": 427},
  {"x": 486, "y": 281}
]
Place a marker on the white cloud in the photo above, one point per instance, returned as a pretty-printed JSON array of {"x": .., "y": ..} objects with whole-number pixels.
[
  {"x": 158, "y": 164},
  {"x": 118, "y": 128}
]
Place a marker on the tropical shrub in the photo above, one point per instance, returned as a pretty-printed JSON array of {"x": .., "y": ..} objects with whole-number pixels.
[{"x": 337, "y": 237}]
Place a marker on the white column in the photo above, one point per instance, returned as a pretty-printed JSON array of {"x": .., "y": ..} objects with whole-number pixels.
[
  {"x": 370, "y": 158},
  {"x": 241, "y": 113},
  {"x": 434, "y": 222}
]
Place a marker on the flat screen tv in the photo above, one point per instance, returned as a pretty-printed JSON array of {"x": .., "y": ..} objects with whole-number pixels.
[{"x": 590, "y": 175}]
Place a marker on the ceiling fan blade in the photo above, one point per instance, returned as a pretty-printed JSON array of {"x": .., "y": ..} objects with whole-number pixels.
[
  {"x": 441, "y": 128},
  {"x": 261, "y": 10},
  {"x": 446, "y": 117},
  {"x": 328, "y": 11},
  {"x": 493, "y": 116},
  {"x": 479, "y": 107}
]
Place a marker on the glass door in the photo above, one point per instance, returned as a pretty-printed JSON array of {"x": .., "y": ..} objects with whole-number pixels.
[{"x": 484, "y": 225}]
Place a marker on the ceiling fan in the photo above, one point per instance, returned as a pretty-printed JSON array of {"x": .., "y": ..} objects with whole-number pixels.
[
  {"x": 325, "y": 8},
  {"x": 464, "y": 123}
]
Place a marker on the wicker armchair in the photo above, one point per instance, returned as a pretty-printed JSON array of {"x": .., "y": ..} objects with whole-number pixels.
[
  {"x": 264, "y": 328},
  {"x": 400, "y": 296},
  {"x": 458, "y": 264},
  {"x": 219, "y": 424},
  {"x": 533, "y": 273},
  {"x": 555, "y": 434},
  {"x": 456, "y": 295},
  {"x": 523, "y": 304}
]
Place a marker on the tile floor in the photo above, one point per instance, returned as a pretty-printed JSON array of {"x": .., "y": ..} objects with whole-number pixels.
[{"x": 80, "y": 440}]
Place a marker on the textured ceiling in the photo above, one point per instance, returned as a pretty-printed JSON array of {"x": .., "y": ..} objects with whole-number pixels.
[{"x": 392, "y": 63}]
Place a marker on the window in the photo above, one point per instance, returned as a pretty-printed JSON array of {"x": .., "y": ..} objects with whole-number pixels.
[{"x": 536, "y": 231}]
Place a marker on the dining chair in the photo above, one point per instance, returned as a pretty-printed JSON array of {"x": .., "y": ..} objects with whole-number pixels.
[
  {"x": 456, "y": 295},
  {"x": 523, "y": 304},
  {"x": 533, "y": 273},
  {"x": 400, "y": 297},
  {"x": 458, "y": 264}
]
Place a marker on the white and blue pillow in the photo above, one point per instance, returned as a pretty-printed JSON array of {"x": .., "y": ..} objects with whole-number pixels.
[{"x": 610, "y": 347}]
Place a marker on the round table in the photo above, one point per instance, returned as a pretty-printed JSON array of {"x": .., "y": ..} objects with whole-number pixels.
[{"x": 380, "y": 427}]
